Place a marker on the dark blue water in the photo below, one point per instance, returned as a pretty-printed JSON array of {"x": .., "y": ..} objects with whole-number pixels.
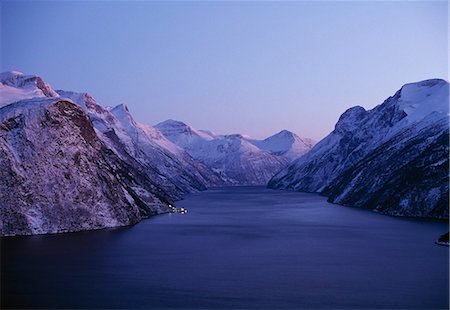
[{"x": 245, "y": 247}]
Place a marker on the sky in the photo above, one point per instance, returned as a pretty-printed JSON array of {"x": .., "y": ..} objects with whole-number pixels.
[{"x": 230, "y": 67}]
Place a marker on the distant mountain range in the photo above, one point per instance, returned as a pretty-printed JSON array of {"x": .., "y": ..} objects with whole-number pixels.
[
  {"x": 393, "y": 159},
  {"x": 68, "y": 163},
  {"x": 238, "y": 160}
]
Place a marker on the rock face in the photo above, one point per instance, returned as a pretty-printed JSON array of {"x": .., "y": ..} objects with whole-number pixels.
[
  {"x": 237, "y": 159},
  {"x": 167, "y": 164},
  {"x": 57, "y": 176},
  {"x": 392, "y": 159},
  {"x": 69, "y": 164}
]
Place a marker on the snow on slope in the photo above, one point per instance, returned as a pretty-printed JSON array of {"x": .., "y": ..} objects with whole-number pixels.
[
  {"x": 143, "y": 132},
  {"x": 419, "y": 111},
  {"x": 357, "y": 133},
  {"x": 16, "y": 86},
  {"x": 166, "y": 163},
  {"x": 133, "y": 167},
  {"x": 183, "y": 135},
  {"x": 238, "y": 161},
  {"x": 285, "y": 144},
  {"x": 420, "y": 99},
  {"x": 56, "y": 175}
]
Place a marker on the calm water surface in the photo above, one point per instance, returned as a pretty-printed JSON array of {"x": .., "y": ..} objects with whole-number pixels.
[{"x": 245, "y": 247}]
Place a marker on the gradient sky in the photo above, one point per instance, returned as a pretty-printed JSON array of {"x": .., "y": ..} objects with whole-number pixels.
[{"x": 247, "y": 67}]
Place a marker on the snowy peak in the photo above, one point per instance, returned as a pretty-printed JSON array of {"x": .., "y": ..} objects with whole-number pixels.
[
  {"x": 420, "y": 99},
  {"x": 122, "y": 113},
  {"x": 10, "y": 77},
  {"x": 84, "y": 100},
  {"x": 411, "y": 104},
  {"x": 239, "y": 159},
  {"x": 176, "y": 127},
  {"x": 282, "y": 139},
  {"x": 350, "y": 118},
  {"x": 121, "y": 108},
  {"x": 373, "y": 159},
  {"x": 286, "y": 144},
  {"x": 182, "y": 134},
  {"x": 15, "y": 86},
  {"x": 20, "y": 80}
]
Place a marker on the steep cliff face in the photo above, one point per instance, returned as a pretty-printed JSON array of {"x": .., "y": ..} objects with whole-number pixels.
[
  {"x": 69, "y": 164},
  {"x": 393, "y": 158},
  {"x": 406, "y": 176},
  {"x": 57, "y": 176},
  {"x": 167, "y": 164}
]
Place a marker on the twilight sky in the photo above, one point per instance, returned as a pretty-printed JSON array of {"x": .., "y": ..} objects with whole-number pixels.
[{"x": 247, "y": 67}]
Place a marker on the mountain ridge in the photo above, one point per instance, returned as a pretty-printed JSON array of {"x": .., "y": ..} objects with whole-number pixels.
[
  {"x": 333, "y": 167},
  {"x": 229, "y": 153}
]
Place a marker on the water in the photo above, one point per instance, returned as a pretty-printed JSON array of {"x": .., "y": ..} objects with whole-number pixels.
[{"x": 246, "y": 247}]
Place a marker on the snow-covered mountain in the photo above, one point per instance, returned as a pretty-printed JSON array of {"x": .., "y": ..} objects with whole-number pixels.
[
  {"x": 393, "y": 158},
  {"x": 285, "y": 144},
  {"x": 166, "y": 163},
  {"x": 56, "y": 175},
  {"x": 70, "y": 164},
  {"x": 15, "y": 86},
  {"x": 238, "y": 159}
]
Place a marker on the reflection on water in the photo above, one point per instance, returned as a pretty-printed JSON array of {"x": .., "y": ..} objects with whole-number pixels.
[{"x": 244, "y": 247}]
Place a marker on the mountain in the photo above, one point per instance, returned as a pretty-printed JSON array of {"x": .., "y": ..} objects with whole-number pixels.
[
  {"x": 392, "y": 159},
  {"x": 166, "y": 163},
  {"x": 285, "y": 144},
  {"x": 58, "y": 176},
  {"x": 69, "y": 164},
  {"x": 16, "y": 86},
  {"x": 183, "y": 135},
  {"x": 234, "y": 157}
]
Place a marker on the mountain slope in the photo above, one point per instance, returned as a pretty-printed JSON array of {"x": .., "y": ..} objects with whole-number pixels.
[
  {"x": 15, "y": 86},
  {"x": 285, "y": 144},
  {"x": 57, "y": 176},
  {"x": 69, "y": 164},
  {"x": 167, "y": 164},
  {"x": 371, "y": 157},
  {"x": 406, "y": 176},
  {"x": 238, "y": 161}
]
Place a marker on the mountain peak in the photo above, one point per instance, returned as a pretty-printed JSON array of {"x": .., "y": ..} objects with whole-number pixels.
[
  {"x": 179, "y": 130},
  {"x": 15, "y": 86},
  {"x": 171, "y": 123},
  {"x": 285, "y": 143},
  {"x": 121, "y": 107},
  {"x": 427, "y": 83},
  {"x": 8, "y": 75},
  {"x": 284, "y": 134},
  {"x": 123, "y": 114},
  {"x": 419, "y": 99}
]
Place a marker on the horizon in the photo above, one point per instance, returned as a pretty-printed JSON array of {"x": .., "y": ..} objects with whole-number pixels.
[{"x": 249, "y": 68}]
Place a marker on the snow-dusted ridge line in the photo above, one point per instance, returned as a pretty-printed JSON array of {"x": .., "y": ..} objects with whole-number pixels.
[
  {"x": 57, "y": 176},
  {"x": 15, "y": 86},
  {"x": 151, "y": 170},
  {"x": 371, "y": 157},
  {"x": 239, "y": 159},
  {"x": 112, "y": 170}
]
